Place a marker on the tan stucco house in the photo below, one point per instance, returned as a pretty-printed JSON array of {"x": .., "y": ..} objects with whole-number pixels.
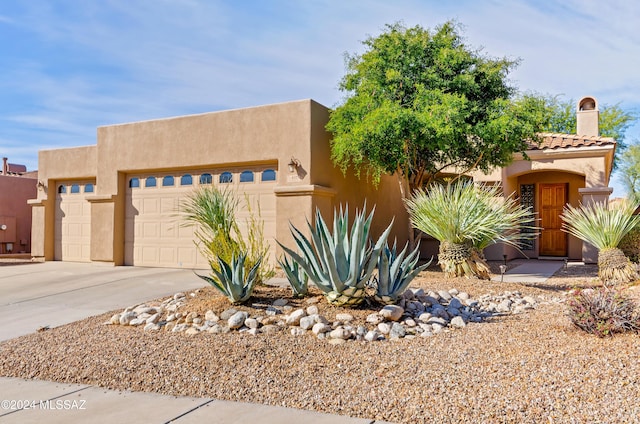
[{"x": 117, "y": 202}]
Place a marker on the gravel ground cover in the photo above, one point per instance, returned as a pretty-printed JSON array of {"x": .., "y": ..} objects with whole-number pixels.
[{"x": 527, "y": 368}]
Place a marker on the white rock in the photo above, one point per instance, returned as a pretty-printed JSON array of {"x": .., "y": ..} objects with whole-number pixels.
[
  {"x": 211, "y": 316},
  {"x": 294, "y": 317},
  {"x": 253, "y": 331},
  {"x": 344, "y": 317},
  {"x": 251, "y": 323},
  {"x": 307, "y": 322},
  {"x": 127, "y": 317},
  {"x": 178, "y": 295},
  {"x": 374, "y": 318},
  {"x": 424, "y": 317},
  {"x": 372, "y": 336},
  {"x": 151, "y": 327},
  {"x": 313, "y": 310},
  {"x": 458, "y": 322},
  {"x": 225, "y": 315},
  {"x": 397, "y": 331},
  {"x": 410, "y": 322},
  {"x": 463, "y": 296},
  {"x": 115, "y": 319},
  {"x": 320, "y": 327},
  {"x": 336, "y": 341},
  {"x": 392, "y": 312},
  {"x": 444, "y": 295},
  {"x": 191, "y": 331},
  {"x": 171, "y": 317},
  {"x": 384, "y": 328},
  {"x": 237, "y": 320},
  {"x": 340, "y": 333}
]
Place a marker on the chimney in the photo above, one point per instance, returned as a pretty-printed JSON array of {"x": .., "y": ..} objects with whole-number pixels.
[
  {"x": 587, "y": 116},
  {"x": 4, "y": 166}
]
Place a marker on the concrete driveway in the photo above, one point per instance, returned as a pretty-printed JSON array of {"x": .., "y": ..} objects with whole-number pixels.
[{"x": 34, "y": 295}]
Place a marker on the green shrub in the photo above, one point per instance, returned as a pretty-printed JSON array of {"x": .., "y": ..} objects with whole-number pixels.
[
  {"x": 630, "y": 245},
  {"x": 603, "y": 311}
]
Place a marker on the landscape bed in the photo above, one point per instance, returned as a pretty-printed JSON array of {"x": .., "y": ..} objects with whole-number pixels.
[{"x": 530, "y": 367}]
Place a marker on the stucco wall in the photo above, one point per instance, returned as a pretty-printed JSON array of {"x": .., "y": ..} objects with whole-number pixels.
[
  {"x": 260, "y": 135},
  {"x": 15, "y": 212}
]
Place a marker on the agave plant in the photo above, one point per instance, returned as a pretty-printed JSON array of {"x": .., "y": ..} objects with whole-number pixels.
[
  {"x": 339, "y": 263},
  {"x": 232, "y": 280},
  {"x": 467, "y": 218},
  {"x": 298, "y": 279},
  {"x": 213, "y": 212},
  {"x": 395, "y": 272},
  {"x": 604, "y": 228}
]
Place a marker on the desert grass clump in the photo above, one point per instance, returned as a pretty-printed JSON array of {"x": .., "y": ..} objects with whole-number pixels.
[
  {"x": 466, "y": 218},
  {"x": 603, "y": 311},
  {"x": 604, "y": 227}
]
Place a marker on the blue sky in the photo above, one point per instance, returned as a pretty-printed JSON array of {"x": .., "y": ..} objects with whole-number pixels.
[{"x": 68, "y": 66}]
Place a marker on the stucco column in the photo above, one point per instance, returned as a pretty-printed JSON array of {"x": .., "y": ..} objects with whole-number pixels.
[
  {"x": 37, "y": 228},
  {"x": 589, "y": 196}
]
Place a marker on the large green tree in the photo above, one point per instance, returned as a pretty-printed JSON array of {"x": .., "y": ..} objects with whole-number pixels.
[
  {"x": 419, "y": 101},
  {"x": 630, "y": 171}
]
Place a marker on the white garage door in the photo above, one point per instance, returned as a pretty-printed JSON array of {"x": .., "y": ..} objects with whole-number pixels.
[
  {"x": 155, "y": 234},
  {"x": 73, "y": 221}
]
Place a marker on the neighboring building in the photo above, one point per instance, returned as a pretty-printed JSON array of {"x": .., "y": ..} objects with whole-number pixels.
[
  {"x": 563, "y": 169},
  {"x": 118, "y": 201},
  {"x": 17, "y": 186}
]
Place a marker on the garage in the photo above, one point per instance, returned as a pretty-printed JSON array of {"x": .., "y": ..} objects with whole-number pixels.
[
  {"x": 155, "y": 234},
  {"x": 73, "y": 221}
]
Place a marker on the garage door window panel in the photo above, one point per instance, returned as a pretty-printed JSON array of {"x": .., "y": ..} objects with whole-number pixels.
[
  {"x": 226, "y": 178},
  {"x": 150, "y": 182},
  {"x": 268, "y": 175}
]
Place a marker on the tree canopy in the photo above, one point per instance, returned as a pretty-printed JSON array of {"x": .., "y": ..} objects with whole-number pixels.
[
  {"x": 630, "y": 172},
  {"x": 419, "y": 101}
]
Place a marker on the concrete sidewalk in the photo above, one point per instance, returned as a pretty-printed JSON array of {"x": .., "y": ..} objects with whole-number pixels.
[
  {"x": 35, "y": 401},
  {"x": 531, "y": 271},
  {"x": 55, "y": 293}
]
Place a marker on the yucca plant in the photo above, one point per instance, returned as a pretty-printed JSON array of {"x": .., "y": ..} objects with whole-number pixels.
[
  {"x": 604, "y": 228},
  {"x": 466, "y": 218},
  {"x": 232, "y": 280},
  {"x": 213, "y": 213},
  {"x": 338, "y": 263},
  {"x": 395, "y": 272},
  {"x": 298, "y": 279}
]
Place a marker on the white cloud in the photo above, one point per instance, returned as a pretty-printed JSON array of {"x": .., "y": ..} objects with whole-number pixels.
[{"x": 103, "y": 63}]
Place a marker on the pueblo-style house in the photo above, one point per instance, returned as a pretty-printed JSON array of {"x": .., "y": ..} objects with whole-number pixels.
[{"x": 118, "y": 201}]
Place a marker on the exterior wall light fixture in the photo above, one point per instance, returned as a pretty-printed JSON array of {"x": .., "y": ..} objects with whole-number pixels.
[
  {"x": 294, "y": 164},
  {"x": 40, "y": 185}
]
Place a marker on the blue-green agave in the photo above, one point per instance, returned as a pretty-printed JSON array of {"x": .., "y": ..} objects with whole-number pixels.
[
  {"x": 395, "y": 272},
  {"x": 339, "y": 263},
  {"x": 232, "y": 280},
  {"x": 298, "y": 279}
]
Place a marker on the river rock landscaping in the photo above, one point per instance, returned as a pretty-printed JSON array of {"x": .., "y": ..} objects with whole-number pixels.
[{"x": 505, "y": 353}]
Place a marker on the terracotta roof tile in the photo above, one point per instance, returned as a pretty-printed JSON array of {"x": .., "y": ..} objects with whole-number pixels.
[{"x": 561, "y": 141}]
